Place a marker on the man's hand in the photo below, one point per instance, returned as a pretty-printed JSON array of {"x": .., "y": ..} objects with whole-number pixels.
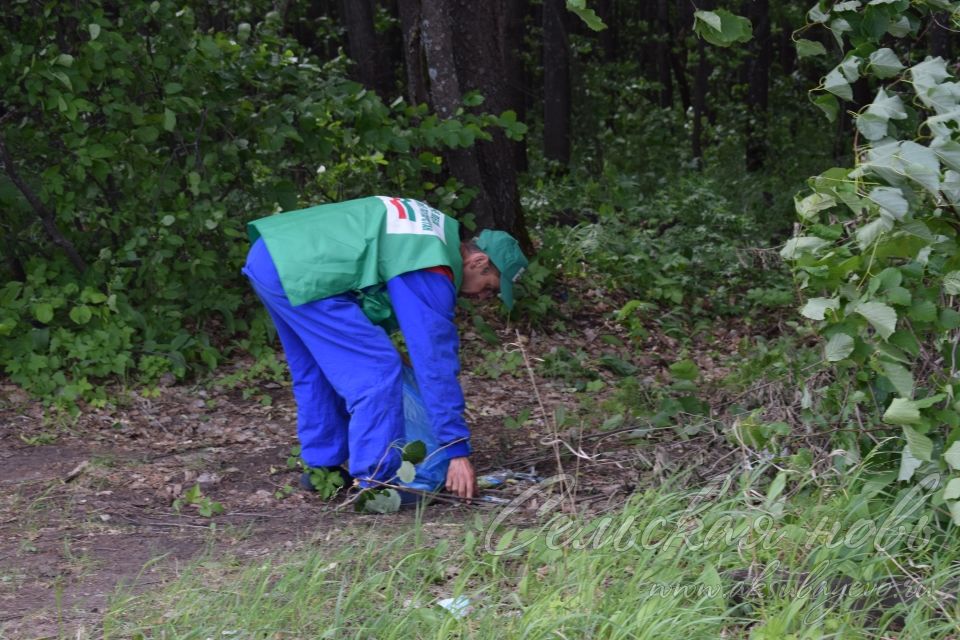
[{"x": 460, "y": 478}]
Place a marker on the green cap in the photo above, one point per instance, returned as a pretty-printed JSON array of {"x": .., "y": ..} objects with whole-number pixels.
[{"x": 504, "y": 252}]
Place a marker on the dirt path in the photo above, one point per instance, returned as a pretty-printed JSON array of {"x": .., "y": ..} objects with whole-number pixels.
[{"x": 88, "y": 506}]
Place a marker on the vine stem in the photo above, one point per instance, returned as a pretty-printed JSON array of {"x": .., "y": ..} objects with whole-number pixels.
[
  {"x": 47, "y": 217},
  {"x": 565, "y": 490}
]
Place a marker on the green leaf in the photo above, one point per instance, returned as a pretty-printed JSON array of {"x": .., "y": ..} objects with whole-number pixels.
[
  {"x": 63, "y": 78},
  {"x": 813, "y": 204},
  {"x": 838, "y": 347},
  {"x": 684, "y": 370},
  {"x": 406, "y": 472},
  {"x": 902, "y": 412},
  {"x": 849, "y": 5},
  {"x": 829, "y": 105},
  {"x": 797, "y": 246},
  {"x": 835, "y": 83},
  {"x": 947, "y": 150},
  {"x": 816, "y": 308},
  {"x": 927, "y": 75},
  {"x": 891, "y": 200},
  {"x": 383, "y": 501},
  {"x": 710, "y": 18},
  {"x": 951, "y": 283},
  {"x": 955, "y": 513},
  {"x": 872, "y": 231},
  {"x": 952, "y": 490},
  {"x": 899, "y": 296},
  {"x": 926, "y": 403},
  {"x": 169, "y": 119},
  {"x": 887, "y": 105},
  {"x": 81, "y": 314},
  {"x": 923, "y": 311},
  {"x": 850, "y": 68},
  {"x": 43, "y": 311},
  {"x": 920, "y": 445},
  {"x": 899, "y": 28},
  {"x": 776, "y": 488},
  {"x": 414, "y": 452},
  {"x": 884, "y": 63},
  {"x": 589, "y": 16},
  {"x": 872, "y": 126},
  {"x": 473, "y": 99},
  {"x": 167, "y": 220},
  {"x": 872, "y": 123},
  {"x": 146, "y": 134},
  {"x": 908, "y": 465},
  {"x": 617, "y": 365},
  {"x": 900, "y": 377},
  {"x": 99, "y": 151},
  {"x": 809, "y": 48},
  {"x": 94, "y": 30},
  {"x": 881, "y": 316},
  {"x": 952, "y": 456},
  {"x": 722, "y": 28}
]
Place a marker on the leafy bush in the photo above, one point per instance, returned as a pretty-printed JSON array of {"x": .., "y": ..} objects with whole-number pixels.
[
  {"x": 877, "y": 250},
  {"x": 150, "y": 139}
]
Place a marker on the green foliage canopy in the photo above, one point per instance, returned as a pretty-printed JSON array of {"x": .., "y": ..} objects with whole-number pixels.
[{"x": 152, "y": 138}]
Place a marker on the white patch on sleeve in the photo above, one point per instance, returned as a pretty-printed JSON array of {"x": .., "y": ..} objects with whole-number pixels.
[{"x": 412, "y": 217}]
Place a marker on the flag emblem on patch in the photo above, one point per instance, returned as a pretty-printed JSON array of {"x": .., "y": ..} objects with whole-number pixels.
[{"x": 412, "y": 217}]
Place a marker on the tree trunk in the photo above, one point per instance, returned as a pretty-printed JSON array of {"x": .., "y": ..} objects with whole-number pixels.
[
  {"x": 787, "y": 50},
  {"x": 413, "y": 61},
  {"x": 664, "y": 39},
  {"x": 374, "y": 69},
  {"x": 47, "y": 217},
  {"x": 480, "y": 67},
  {"x": 699, "y": 100},
  {"x": 446, "y": 97},
  {"x": 556, "y": 83},
  {"x": 678, "y": 59},
  {"x": 758, "y": 85},
  {"x": 510, "y": 19},
  {"x": 607, "y": 11},
  {"x": 938, "y": 35},
  {"x": 14, "y": 264}
]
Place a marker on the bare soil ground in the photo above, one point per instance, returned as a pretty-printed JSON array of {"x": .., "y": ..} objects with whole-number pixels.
[{"x": 88, "y": 506}]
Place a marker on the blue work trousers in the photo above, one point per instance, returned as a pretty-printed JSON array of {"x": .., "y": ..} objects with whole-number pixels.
[{"x": 346, "y": 377}]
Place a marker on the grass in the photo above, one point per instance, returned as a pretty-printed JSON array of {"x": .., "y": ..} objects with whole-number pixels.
[{"x": 743, "y": 557}]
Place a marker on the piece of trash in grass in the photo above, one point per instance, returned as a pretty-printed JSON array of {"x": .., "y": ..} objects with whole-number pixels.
[
  {"x": 459, "y": 606},
  {"x": 494, "y": 500},
  {"x": 506, "y": 476}
]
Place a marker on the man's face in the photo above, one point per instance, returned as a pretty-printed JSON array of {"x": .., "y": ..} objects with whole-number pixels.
[{"x": 481, "y": 280}]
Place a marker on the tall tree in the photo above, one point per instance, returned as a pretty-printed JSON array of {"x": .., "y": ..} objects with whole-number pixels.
[
  {"x": 510, "y": 23},
  {"x": 699, "y": 97},
  {"x": 607, "y": 10},
  {"x": 462, "y": 55},
  {"x": 664, "y": 39},
  {"x": 479, "y": 66},
  {"x": 366, "y": 48},
  {"x": 556, "y": 82},
  {"x": 413, "y": 58},
  {"x": 436, "y": 32},
  {"x": 758, "y": 83},
  {"x": 678, "y": 57}
]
